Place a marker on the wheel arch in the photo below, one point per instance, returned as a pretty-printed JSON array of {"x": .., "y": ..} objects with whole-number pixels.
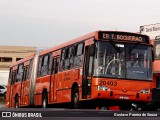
[{"x": 74, "y": 85}]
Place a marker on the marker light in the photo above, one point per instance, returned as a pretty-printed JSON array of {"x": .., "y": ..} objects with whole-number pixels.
[{"x": 146, "y": 91}]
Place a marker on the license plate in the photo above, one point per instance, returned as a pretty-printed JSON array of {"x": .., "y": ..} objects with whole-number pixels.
[{"x": 124, "y": 97}]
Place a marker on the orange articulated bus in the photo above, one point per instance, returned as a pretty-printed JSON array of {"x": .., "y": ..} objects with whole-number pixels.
[{"x": 103, "y": 68}]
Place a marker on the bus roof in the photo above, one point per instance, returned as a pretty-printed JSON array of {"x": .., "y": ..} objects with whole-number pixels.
[
  {"x": 23, "y": 60},
  {"x": 94, "y": 35},
  {"x": 73, "y": 41}
]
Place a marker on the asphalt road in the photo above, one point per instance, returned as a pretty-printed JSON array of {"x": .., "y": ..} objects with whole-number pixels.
[
  {"x": 72, "y": 114},
  {"x": 75, "y": 113}
]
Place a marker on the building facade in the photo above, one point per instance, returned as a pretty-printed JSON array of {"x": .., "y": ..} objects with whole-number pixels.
[{"x": 10, "y": 54}]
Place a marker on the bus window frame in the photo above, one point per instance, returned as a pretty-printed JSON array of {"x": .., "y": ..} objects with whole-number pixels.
[
  {"x": 50, "y": 63},
  {"x": 44, "y": 68},
  {"x": 29, "y": 69},
  {"x": 14, "y": 73},
  {"x": 55, "y": 65},
  {"x": 19, "y": 72},
  {"x": 45, "y": 65},
  {"x": 39, "y": 66},
  {"x": 78, "y": 56},
  {"x": 66, "y": 57},
  {"x": 24, "y": 73}
]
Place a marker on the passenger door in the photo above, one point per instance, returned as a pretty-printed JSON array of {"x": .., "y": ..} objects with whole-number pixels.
[
  {"x": 8, "y": 95},
  {"x": 23, "y": 86},
  {"x": 26, "y": 84},
  {"x": 11, "y": 99},
  {"x": 54, "y": 78},
  {"x": 88, "y": 71}
]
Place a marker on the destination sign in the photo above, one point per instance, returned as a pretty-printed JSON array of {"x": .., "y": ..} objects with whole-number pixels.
[{"x": 123, "y": 36}]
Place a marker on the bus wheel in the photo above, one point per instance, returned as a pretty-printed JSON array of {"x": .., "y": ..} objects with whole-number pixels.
[
  {"x": 127, "y": 107},
  {"x": 16, "y": 102},
  {"x": 44, "y": 100},
  {"x": 75, "y": 98}
]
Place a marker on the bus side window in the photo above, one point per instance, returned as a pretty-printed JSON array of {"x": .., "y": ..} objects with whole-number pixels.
[
  {"x": 62, "y": 60},
  {"x": 29, "y": 69},
  {"x": 78, "y": 55},
  {"x": 66, "y": 64},
  {"x": 39, "y": 66},
  {"x": 27, "y": 72},
  {"x": 19, "y": 73},
  {"x": 71, "y": 57},
  {"x": 50, "y": 63},
  {"x": 13, "y": 77},
  {"x": 55, "y": 66},
  {"x": 71, "y": 52},
  {"x": 79, "y": 50},
  {"x": 24, "y": 74},
  {"x": 45, "y": 62},
  {"x": 63, "y": 54}
]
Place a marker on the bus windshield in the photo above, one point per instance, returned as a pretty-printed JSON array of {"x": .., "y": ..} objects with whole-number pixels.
[{"x": 123, "y": 60}]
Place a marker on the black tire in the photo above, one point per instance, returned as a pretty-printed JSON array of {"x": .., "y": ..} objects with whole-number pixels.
[
  {"x": 75, "y": 99},
  {"x": 44, "y": 100},
  {"x": 127, "y": 107},
  {"x": 16, "y": 105}
]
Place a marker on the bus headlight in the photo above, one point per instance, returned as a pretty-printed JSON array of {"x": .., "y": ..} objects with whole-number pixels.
[
  {"x": 146, "y": 91},
  {"x": 103, "y": 88}
]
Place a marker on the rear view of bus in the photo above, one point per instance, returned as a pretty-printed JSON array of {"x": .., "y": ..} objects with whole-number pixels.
[{"x": 119, "y": 69}]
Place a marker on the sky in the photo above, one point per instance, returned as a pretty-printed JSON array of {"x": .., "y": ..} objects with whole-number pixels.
[{"x": 46, "y": 23}]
